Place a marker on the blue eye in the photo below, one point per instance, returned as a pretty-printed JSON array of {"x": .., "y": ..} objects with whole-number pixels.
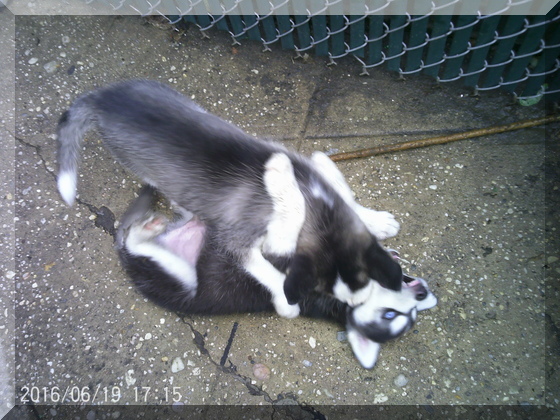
[{"x": 389, "y": 315}]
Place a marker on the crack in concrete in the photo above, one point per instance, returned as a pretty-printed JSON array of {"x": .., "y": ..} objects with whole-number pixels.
[
  {"x": 38, "y": 151},
  {"x": 288, "y": 400},
  {"x": 104, "y": 219}
]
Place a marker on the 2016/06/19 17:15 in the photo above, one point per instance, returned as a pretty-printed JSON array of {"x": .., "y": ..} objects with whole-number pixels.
[{"x": 107, "y": 394}]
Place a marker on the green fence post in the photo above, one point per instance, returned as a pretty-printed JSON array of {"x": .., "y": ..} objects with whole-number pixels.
[
  {"x": 436, "y": 47},
  {"x": 416, "y": 39},
  {"x": 484, "y": 40},
  {"x": 530, "y": 46},
  {"x": 502, "y": 50}
]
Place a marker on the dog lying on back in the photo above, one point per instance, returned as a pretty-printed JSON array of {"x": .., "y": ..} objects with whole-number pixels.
[
  {"x": 182, "y": 267},
  {"x": 238, "y": 185}
]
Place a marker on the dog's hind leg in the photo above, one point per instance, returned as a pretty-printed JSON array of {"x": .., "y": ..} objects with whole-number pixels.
[
  {"x": 381, "y": 224},
  {"x": 142, "y": 240}
]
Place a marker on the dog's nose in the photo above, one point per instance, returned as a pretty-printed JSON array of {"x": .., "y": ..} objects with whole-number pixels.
[{"x": 421, "y": 292}]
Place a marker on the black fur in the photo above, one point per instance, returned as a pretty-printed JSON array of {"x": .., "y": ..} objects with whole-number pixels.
[
  {"x": 215, "y": 170},
  {"x": 224, "y": 286}
]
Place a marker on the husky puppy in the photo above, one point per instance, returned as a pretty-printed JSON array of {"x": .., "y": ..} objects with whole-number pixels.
[
  {"x": 181, "y": 266},
  {"x": 213, "y": 169}
]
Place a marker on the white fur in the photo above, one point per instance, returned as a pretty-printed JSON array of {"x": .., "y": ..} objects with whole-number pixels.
[
  {"x": 67, "y": 186},
  {"x": 366, "y": 351},
  {"x": 381, "y": 224},
  {"x": 283, "y": 230},
  {"x": 267, "y": 275},
  {"x": 381, "y": 298},
  {"x": 330, "y": 172},
  {"x": 137, "y": 244},
  {"x": 398, "y": 324},
  {"x": 343, "y": 293},
  {"x": 319, "y": 192},
  {"x": 429, "y": 302},
  {"x": 288, "y": 206}
]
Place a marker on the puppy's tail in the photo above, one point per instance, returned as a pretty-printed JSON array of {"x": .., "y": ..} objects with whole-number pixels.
[{"x": 72, "y": 127}]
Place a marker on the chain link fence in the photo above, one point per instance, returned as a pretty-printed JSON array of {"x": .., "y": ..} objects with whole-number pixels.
[{"x": 520, "y": 54}]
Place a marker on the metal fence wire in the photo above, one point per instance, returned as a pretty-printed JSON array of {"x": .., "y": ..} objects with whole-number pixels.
[{"x": 520, "y": 54}]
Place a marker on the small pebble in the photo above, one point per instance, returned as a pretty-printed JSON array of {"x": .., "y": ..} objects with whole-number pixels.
[
  {"x": 342, "y": 336},
  {"x": 401, "y": 380},
  {"x": 51, "y": 66},
  {"x": 177, "y": 365},
  {"x": 307, "y": 363},
  {"x": 312, "y": 342},
  {"x": 33, "y": 60},
  {"x": 261, "y": 372}
]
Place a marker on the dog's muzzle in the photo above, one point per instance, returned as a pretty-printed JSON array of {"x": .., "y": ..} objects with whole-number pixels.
[{"x": 420, "y": 291}]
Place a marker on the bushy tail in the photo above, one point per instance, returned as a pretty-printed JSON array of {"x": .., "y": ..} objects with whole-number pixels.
[{"x": 72, "y": 127}]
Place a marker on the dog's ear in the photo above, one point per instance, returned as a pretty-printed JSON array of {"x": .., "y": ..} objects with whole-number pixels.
[
  {"x": 382, "y": 268},
  {"x": 300, "y": 279},
  {"x": 365, "y": 350}
]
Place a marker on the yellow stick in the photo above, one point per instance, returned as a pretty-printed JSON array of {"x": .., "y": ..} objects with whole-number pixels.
[{"x": 414, "y": 144}]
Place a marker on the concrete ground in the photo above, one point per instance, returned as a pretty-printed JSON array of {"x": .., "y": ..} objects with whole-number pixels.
[{"x": 472, "y": 215}]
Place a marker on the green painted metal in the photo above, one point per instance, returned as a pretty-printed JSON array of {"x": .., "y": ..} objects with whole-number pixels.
[
  {"x": 501, "y": 56},
  {"x": 285, "y": 31},
  {"x": 269, "y": 28},
  {"x": 375, "y": 40},
  {"x": 529, "y": 43},
  {"x": 303, "y": 32},
  {"x": 237, "y": 25},
  {"x": 396, "y": 38},
  {"x": 338, "y": 28},
  {"x": 416, "y": 42},
  {"x": 517, "y": 53},
  {"x": 481, "y": 49},
  {"x": 357, "y": 30},
  {"x": 320, "y": 35},
  {"x": 544, "y": 63},
  {"x": 436, "y": 48},
  {"x": 460, "y": 43}
]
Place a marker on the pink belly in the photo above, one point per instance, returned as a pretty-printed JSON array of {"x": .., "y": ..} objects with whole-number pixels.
[{"x": 186, "y": 241}]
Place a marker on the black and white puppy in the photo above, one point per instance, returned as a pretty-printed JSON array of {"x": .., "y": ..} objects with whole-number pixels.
[
  {"x": 182, "y": 267},
  {"x": 213, "y": 169}
]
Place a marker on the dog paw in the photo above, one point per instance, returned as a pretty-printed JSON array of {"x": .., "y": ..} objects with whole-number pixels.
[
  {"x": 285, "y": 310},
  {"x": 381, "y": 224}
]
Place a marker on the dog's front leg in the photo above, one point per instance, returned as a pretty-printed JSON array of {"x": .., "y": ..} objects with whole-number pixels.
[
  {"x": 283, "y": 229},
  {"x": 288, "y": 207},
  {"x": 381, "y": 224},
  {"x": 267, "y": 275}
]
